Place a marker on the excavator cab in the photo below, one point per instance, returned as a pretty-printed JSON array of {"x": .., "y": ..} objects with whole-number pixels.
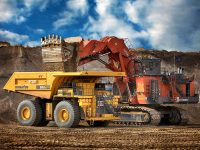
[{"x": 155, "y": 87}]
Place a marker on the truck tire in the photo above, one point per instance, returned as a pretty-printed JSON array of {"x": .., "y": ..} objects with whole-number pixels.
[
  {"x": 98, "y": 123},
  {"x": 29, "y": 113},
  {"x": 67, "y": 114},
  {"x": 43, "y": 121}
]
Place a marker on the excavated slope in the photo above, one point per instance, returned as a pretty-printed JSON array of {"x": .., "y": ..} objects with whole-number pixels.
[{"x": 15, "y": 58}]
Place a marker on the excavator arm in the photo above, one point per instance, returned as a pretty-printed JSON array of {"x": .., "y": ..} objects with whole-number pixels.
[
  {"x": 119, "y": 58},
  {"x": 114, "y": 47}
]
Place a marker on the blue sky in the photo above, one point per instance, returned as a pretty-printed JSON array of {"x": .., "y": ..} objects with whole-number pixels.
[{"x": 152, "y": 24}]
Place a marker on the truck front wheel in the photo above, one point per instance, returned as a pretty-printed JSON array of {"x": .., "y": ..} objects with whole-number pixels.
[{"x": 67, "y": 114}]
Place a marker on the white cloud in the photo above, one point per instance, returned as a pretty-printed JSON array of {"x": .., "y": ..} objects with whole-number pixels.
[
  {"x": 39, "y": 31},
  {"x": 75, "y": 9},
  {"x": 162, "y": 24},
  {"x": 41, "y": 4},
  {"x": 13, "y": 11},
  {"x": 170, "y": 25},
  {"x": 6, "y": 11},
  {"x": 13, "y": 38},
  {"x": 20, "y": 19},
  {"x": 135, "y": 10},
  {"x": 32, "y": 43},
  {"x": 78, "y": 6},
  {"x": 66, "y": 18},
  {"x": 9, "y": 12},
  {"x": 108, "y": 23}
]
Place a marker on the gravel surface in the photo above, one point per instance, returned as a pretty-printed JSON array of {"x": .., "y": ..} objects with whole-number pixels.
[{"x": 111, "y": 137}]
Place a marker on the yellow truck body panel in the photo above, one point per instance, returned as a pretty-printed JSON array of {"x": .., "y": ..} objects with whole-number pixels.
[{"x": 45, "y": 84}]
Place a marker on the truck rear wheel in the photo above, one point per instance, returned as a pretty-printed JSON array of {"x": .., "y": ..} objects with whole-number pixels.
[
  {"x": 67, "y": 114},
  {"x": 29, "y": 113}
]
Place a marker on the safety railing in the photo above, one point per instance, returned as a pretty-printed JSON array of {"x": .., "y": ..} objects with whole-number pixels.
[{"x": 91, "y": 91}]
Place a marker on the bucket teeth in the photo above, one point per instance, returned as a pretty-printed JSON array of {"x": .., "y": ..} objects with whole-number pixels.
[{"x": 51, "y": 40}]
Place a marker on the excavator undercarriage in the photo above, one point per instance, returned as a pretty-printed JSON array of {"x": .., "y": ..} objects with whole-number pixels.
[{"x": 144, "y": 115}]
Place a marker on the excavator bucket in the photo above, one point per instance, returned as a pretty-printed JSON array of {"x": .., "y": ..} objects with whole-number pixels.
[{"x": 57, "y": 53}]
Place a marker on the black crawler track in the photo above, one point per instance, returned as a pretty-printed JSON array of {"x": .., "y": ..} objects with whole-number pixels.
[{"x": 152, "y": 116}]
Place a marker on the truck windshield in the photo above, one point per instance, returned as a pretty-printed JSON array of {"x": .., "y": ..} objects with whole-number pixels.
[
  {"x": 104, "y": 86},
  {"x": 108, "y": 87}
]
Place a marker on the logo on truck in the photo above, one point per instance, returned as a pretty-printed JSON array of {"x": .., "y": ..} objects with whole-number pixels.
[{"x": 43, "y": 87}]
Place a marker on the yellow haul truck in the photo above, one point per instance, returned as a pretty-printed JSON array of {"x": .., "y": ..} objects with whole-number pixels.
[{"x": 65, "y": 97}]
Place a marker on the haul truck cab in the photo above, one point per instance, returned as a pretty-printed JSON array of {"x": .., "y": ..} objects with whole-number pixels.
[{"x": 65, "y": 97}]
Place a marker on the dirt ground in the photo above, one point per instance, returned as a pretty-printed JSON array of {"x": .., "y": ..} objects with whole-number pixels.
[{"x": 111, "y": 137}]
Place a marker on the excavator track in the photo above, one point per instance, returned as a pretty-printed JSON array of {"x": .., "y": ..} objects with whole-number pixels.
[
  {"x": 184, "y": 117},
  {"x": 137, "y": 115},
  {"x": 155, "y": 116},
  {"x": 140, "y": 115},
  {"x": 181, "y": 116},
  {"x": 172, "y": 115}
]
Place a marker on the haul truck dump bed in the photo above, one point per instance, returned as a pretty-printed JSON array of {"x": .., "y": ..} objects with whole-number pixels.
[{"x": 65, "y": 97}]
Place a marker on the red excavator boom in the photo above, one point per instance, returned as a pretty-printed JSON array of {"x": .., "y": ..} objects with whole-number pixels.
[{"x": 120, "y": 58}]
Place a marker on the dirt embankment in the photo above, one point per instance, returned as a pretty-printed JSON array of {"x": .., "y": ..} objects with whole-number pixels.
[{"x": 17, "y": 58}]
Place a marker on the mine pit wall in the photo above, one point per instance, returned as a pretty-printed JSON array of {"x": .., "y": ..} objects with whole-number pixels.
[
  {"x": 15, "y": 58},
  {"x": 18, "y": 58}
]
